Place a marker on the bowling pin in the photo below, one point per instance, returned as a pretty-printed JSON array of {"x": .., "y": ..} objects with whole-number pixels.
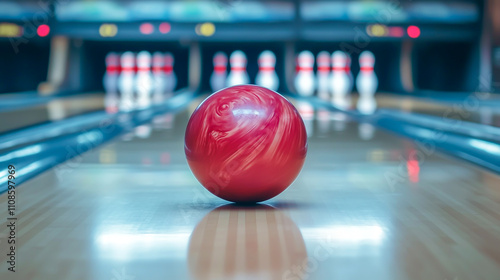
[
  {"x": 159, "y": 81},
  {"x": 366, "y": 83},
  {"x": 144, "y": 80},
  {"x": 218, "y": 77},
  {"x": 238, "y": 74},
  {"x": 267, "y": 77},
  {"x": 339, "y": 81},
  {"x": 323, "y": 75},
  {"x": 304, "y": 80},
  {"x": 170, "y": 77},
  {"x": 110, "y": 82},
  {"x": 126, "y": 81}
]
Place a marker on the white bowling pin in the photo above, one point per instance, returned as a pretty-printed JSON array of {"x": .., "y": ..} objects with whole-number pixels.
[
  {"x": 126, "y": 81},
  {"x": 366, "y": 83},
  {"x": 110, "y": 82},
  {"x": 159, "y": 81},
  {"x": 267, "y": 77},
  {"x": 339, "y": 81},
  {"x": 238, "y": 74},
  {"x": 144, "y": 80},
  {"x": 304, "y": 80},
  {"x": 170, "y": 77},
  {"x": 218, "y": 77},
  {"x": 323, "y": 75}
]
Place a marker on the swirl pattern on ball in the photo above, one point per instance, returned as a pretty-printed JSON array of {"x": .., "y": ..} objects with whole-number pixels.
[{"x": 246, "y": 143}]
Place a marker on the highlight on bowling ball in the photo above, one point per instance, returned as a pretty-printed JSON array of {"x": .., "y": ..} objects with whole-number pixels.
[{"x": 245, "y": 143}]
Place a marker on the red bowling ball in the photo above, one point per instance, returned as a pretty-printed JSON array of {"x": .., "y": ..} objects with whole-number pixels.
[{"x": 245, "y": 143}]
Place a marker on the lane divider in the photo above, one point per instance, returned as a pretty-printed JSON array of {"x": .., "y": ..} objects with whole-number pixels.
[{"x": 33, "y": 159}]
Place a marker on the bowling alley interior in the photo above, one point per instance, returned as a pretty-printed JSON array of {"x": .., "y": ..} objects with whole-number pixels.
[{"x": 250, "y": 139}]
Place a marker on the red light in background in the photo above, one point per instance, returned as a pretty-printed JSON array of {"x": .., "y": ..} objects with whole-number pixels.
[
  {"x": 165, "y": 27},
  {"x": 396, "y": 31},
  {"x": 413, "y": 31},
  {"x": 146, "y": 28},
  {"x": 43, "y": 30}
]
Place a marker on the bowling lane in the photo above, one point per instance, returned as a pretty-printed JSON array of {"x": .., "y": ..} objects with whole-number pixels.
[
  {"x": 365, "y": 206},
  {"x": 471, "y": 109},
  {"x": 48, "y": 110}
]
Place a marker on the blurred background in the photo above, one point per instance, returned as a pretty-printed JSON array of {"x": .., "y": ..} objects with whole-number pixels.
[
  {"x": 401, "y": 175},
  {"x": 433, "y": 49},
  {"x": 446, "y": 46}
]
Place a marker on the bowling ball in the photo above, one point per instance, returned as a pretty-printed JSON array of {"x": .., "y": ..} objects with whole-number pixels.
[{"x": 245, "y": 143}]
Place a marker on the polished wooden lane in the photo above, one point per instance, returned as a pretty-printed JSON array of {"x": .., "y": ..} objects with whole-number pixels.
[
  {"x": 468, "y": 110},
  {"x": 54, "y": 110},
  {"x": 367, "y": 205}
]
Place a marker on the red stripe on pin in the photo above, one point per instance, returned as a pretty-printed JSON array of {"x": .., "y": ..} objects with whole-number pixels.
[
  {"x": 266, "y": 68},
  {"x": 220, "y": 68},
  {"x": 112, "y": 69},
  {"x": 238, "y": 68}
]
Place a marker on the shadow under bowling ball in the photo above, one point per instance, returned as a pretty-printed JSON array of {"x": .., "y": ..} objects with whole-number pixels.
[{"x": 245, "y": 242}]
